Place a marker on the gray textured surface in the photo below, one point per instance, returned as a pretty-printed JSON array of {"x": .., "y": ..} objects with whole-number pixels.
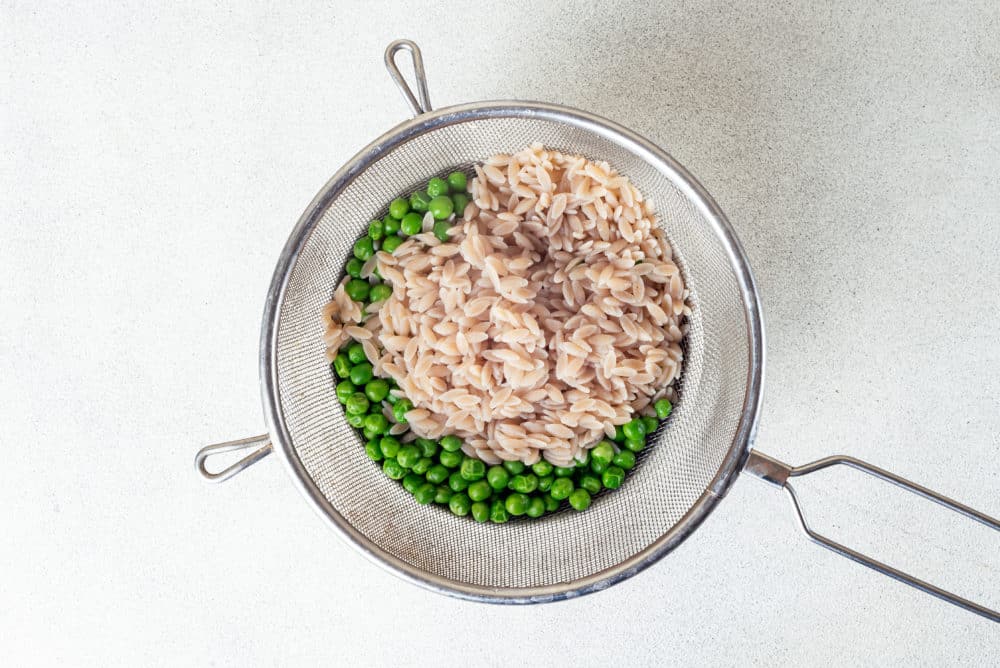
[{"x": 155, "y": 160}]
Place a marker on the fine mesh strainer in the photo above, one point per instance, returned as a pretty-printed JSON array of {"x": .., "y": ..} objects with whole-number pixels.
[{"x": 694, "y": 460}]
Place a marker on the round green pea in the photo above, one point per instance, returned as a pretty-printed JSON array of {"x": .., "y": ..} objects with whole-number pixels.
[
  {"x": 436, "y": 187},
  {"x": 368, "y": 433},
  {"x": 441, "y": 228},
  {"x": 517, "y": 504},
  {"x": 561, "y": 487},
  {"x": 451, "y": 443},
  {"x": 460, "y": 200},
  {"x": 428, "y": 448},
  {"x": 425, "y": 494},
  {"x": 442, "y": 495},
  {"x": 536, "y": 507},
  {"x": 472, "y": 469},
  {"x": 602, "y": 452},
  {"x": 353, "y": 268},
  {"x": 380, "y": 292},
  {"x": 376, "y": 230},
  {"x": 390, "y": 446},
  {"x": 498, "y": 512},
  {"x": 525, "y": 484},
  {"x": 450, "y": 459},
  {"x": 497, "y": 477},
  {"x": 480, "y": 511},
  {"x": 613, "y": 478},
  {"x": 624, "y": 459},
  {"x": 423, "y": 465},
  {"x": 412, "y": 482},
  {"x": 545, "y": 483},
  {"x": 580, "y": 499},
  {"x": 634, "y": 429},
  {"x": 551, "y": 504},
  {"x": 392, "y": 469},
  {"x": 651, "y": 424},
  {"x": 663, "y": 408},
  {"x": 437, "y": 474},
  {"x": 542, "y": 468},
  {"x": 361, "y": 373},
  {"x": 356, "y": 420},
  {"x": 391, "y": 244},
  {"x": 345, "y": 389},
  {"x": 411, "y": 224},
  {"x": 635, "y": 445},
  {"x": 457, "y": 482},
  {"x": 376, "y": 389},
  {"x": 458, "y": 181},
  {"x": 377, "y": 423},
  {"x": 356, "y": 353},
  {"x": 514, "y": 467},
  {"x": 441, "y": 207},
  {"x": 400, "y": 409},
  {"x": 479, "y": 490},
  {"x": 459, "y": 504},
  {"x": 342, "y": 365},
  {"x": 419, "y": 201},
  {"x": 357, "y": 404},
  {"x": 408, "y": 456},
  {"x": 373, "y": 451},
  {"x": 588, "y": 482},
  {"x": 563, "y": 471},
  {"x": 598, "y": 466},
  {"x": 398, "y": 207},
  {"x": 390, "y": 226},
  {"x": 364, "y": 248}
]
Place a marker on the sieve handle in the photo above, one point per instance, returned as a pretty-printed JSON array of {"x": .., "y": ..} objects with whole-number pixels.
[
  {"x": 777, "y": 473},
  {"x": 424, "y": 105},
  {"x": 260, "y": 444}
]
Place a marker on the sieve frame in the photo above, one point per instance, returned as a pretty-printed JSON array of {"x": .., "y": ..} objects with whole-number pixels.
[{"x": 426, "y": 121}]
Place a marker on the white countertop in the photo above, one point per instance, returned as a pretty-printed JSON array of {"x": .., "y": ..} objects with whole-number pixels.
[{"x": 155, "y": 160}]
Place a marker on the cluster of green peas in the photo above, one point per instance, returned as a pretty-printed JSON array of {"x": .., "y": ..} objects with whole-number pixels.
[{"x": 438, "y": 471}]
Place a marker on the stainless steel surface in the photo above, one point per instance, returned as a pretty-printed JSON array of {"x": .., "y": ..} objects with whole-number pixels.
[
  {"x": 263, "y": 447},
  {"x": 424, "y": 105},
  {"x": 771, "y": 470}
]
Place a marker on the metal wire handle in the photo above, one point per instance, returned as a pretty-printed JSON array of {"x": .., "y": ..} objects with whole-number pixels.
[
  {"x": 264, "y": 441},
  {"x": 777, "y": 473},
  {"x": 424, "y": 105}
]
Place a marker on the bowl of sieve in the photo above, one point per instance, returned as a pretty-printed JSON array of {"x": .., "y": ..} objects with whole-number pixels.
[{"x": 694, "y": 459}]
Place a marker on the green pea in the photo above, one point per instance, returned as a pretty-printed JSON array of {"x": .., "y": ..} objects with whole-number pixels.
[
  {"x": 514, "y": 467},
  {"x": 619, "y": 434},
  {"x": 376, "y": 389},
  {"x": 580, "y": 499},
  {"x": 551, "y": 504},
  {"x": 368, "y": 433},
  {"x": 441, "y": 207},
  {"x": 373, "y": 451},
  {"x": 356, "y": 353},
  {"x": 441, "y": 228},
  {"x": 345, "y": 389},
  {"x": 411, "y": 224},
  {"x": 357, "y": 404},
  {"x": 408, "y": 456},
  {"x": 561, "y": 487},
  {"x": 460, "y": 200},
  {"x": 353, "y": 268},
  {"x": 525, "y": 484},
  {"x": 545, "y": 483},
  {"x": 364, "y": 248},
  {"x": 598, "y": 466},
  {"x": 457, "y": 482},
  {"x": 479, "y": 490},
  {"x": 663, "y": 408},
  {"x": 634, "y": 429},
  {"x": 516, "y": 504},
  {"x": 602, "y": 452},
  {"x": 391, "y": 244},
  {"x": 428, "y": 448},
  {"x": 400, "y": 409},
  {"x": 380, "y": 292},
  {"x": 377, "y": 423},
  {"x": 651, "y": 424},
  {"x": 563, "y": 471},
  {"x": 451, "y": 443},
  {"x": 536, "y": 507},
  {"x": 425, "y": 494},
  {"x": 361, "y": 374},
  {"x": 635, "y": 445},
  {"x": 412, "y": 482},
  {"x": 419, "y": 201},
  {"x": 449, "y": 459},
  {"x": 583, "y": 460},
  {"x": 498, "y": 512},
  {"x": 457, "y": 181},
  {"x": 390, "y": 446},
  {"x": 588, "y": 482},
  {"x": 459, "y": 504},
  {"x": 342, "y": 365},
  {"x": 398, "y": 207},
  {"x": 357, "y": 289},
  {"x": 624, "y": 459},
  {"x": 423, "y": 465},
  {"x": 391, "y": 398},
  {"x": 443, "y": 494},
  {"x": 613, "y": 478},
  {"x": 480, "y": 511},
  {"x": 376, "y": 230},
  {"x": 437, "y": 474},
  {"x": 390, "y": 226},
  {"x": 497, "y": 477},
  {"x": 436, "y": 187},
  {"x": 356, "y": 420},
  {"x": 392, "y": 469},
  {"x": 472, "y": 469},
  {"x": 542, "y": 468}
]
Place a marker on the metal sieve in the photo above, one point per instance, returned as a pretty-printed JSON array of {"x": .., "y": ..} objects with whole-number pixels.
[{"x": 693, "y": 461}]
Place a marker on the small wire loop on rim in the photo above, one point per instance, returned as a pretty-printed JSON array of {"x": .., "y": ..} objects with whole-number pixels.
[
  {"x": 424, "y": 105},
  {"x": 264, "y": 449}
]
